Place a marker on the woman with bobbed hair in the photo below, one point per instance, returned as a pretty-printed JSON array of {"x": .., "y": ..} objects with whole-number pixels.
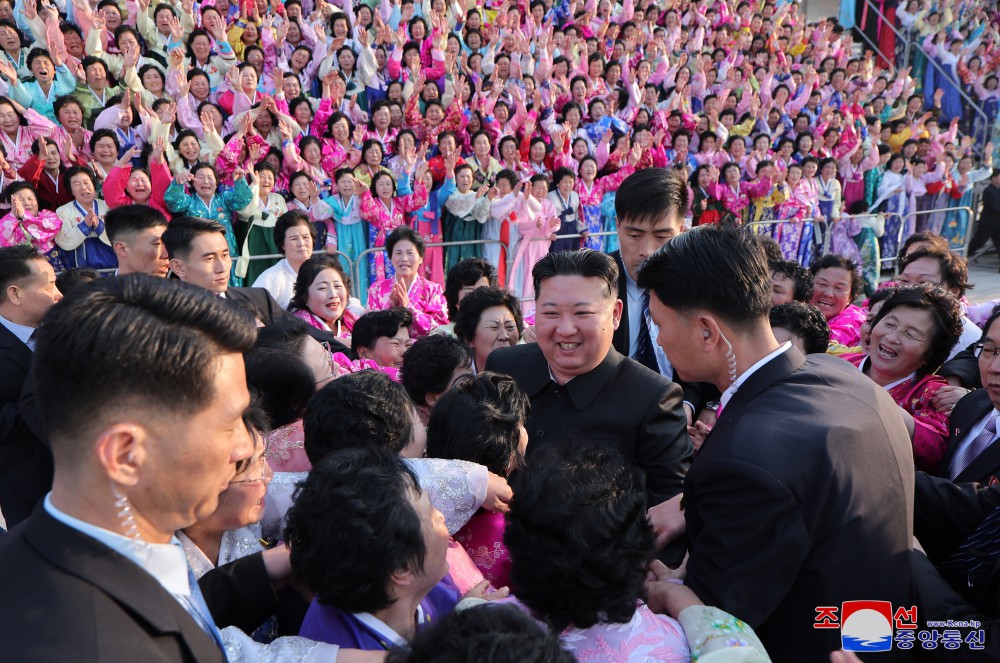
[
  {"x": 369, "y": 545},
  {"x": 911, "y": 336},
  {"x": 579, "y": 564},
  {"x": 490, "y": 318},
  {"x": 321, "y": 296},
  {"x": 836, "y": 283},
  {"x": 481, "y": 420}
]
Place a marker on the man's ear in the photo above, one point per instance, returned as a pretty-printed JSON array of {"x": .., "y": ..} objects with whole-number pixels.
[
  {"x": 178, "y": 268},
  {"x": 121, "y": 450}
]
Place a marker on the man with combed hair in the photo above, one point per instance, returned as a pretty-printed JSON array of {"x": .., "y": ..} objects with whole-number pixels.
[
  {"x": 801, "y": 496},
  {"x": 136, "y": 233}
]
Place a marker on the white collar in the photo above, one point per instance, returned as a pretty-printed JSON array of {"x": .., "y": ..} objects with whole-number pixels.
[
  {"x": 888, "y": 387},
  {"x": 164, "y": 561},
  {"x": 383, "y": 630},
  {"x": 22, "y": 332},
  {"x": 728, "y": 394}
]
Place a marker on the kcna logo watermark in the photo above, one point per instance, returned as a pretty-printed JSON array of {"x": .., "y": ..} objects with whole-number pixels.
[{"x": 873, "y": 626}]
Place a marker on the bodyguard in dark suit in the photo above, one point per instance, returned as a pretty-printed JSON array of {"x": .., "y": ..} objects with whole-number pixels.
[
  {"x": 27, "y": 291},
  {"x": 650, "y": 213},
  {"x": 802, "y": 494},
  {"x": 581, "y": 388},
  {"x": 93, "y": 574},
  {"x": 199, "y": 255},
  {"x": 973, "y": 450}
]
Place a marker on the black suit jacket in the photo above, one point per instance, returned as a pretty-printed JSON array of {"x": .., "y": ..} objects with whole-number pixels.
[
  {"x": 945, "y": 514},
  {"x": 262, "y": 305},
  {"x": 695, "y": 393},
  {"x": 25, "y": 463},
  {"x": 801, "y": 496},
  {"x": 620, "y": 404},
  {"x": 965, "y": 367},
  {"x": 65, "y": 596},
  {"x": 985, "y": 469}
]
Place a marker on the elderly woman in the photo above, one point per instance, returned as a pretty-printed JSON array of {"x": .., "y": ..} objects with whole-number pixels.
[
  {"x": 407, "y": 289},
  {"x": 579, "y": 562},
  {"x": 462, "y": 279},
  {"x": 836, "y": 283},
  {"x": 490, "y": 318},
  {"x": 321, "y": 296},
  {"x": 294, "y": 235},
  {"x": 371, "y": 547},
  {"x": 481, "y": 419},
  {"x": 910, "y": 338}
]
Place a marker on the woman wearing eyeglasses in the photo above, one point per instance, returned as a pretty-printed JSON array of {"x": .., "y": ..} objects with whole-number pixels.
[
  {"x": 233, "y": 531},
  {"x": 911, "y": 336}
]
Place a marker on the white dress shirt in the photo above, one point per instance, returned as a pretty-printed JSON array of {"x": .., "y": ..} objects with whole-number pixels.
[{"x": 728, "y": 393}]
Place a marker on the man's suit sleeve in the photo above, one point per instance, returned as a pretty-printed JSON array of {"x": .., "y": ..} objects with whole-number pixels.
[
  {"x": 664, "y": 449},
  {"x": 755, "y": 520},
  {"x": 965, "y": 367},
  {"x": 939, "y": 601},
  {"x": 946, "y": 513},
  {"x": 239, "y": 593}
]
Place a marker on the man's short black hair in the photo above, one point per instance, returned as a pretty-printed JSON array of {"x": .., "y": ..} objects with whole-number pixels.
[
  {"x": 479, "y": 420},
  {"x": 429, "y": 364},
  {"x": 464, "y": 274},
  {"x": 372, "y": 326},
  {"x": 601, "y": 508},
  {"x": 367, "y": 408},
  {"x": 183, "y": 230},
  {"x": 805, "y": 321},
  {"x": 476, "y": 302},
  {"x": 585, "y": 262},
  {"x": 75, "y": 277},
  {"x": 174, "y": 334},
  {"x": 15, "y": 264},
  {"x": 352, "y": 527},
  {"x": 799, "y": 275},
  {"x": 650, "y": 194},
  {"x": 714, "y": 268},
  {"x": 485, "y": 634},
  {"x": 128, "y": 219}
]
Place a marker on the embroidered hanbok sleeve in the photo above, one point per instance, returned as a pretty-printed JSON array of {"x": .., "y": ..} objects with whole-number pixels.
[
  {"x": 456, "y": 488},
  {"x": 176, "y": 198},
  {"x": 930, "y": 427},
  {"x": 715, "y": 636},
  {"x": 417, "y": 199},
  {"x": 40, "y": 230},
  {"x": 429, "y": 308},
  {"x": 378, "y": 296},
  {"x": 113, "y": 186},
  {"x": 288, "y": 649},
  {"x": 239, "y": 197}
]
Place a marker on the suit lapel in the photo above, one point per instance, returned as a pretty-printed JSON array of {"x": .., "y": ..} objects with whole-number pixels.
[
  {"x": 16, "y": 350},
  {"x": 967, "y": 412},
  {"x": 131, "y": 587}
]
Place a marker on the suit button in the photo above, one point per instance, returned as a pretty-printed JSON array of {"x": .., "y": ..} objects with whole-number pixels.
[
  {"x": 540, "y": 433},
  {"x": 557, "y": 392}
]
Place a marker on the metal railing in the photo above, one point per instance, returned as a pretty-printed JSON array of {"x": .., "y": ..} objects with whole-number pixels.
[{"x": 908, "y": 43}]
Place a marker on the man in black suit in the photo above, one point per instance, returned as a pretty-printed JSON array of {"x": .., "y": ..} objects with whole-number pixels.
[
  {"x": 581, "y": 388},
  {"x": 650, "y": 206},
  {"x": 802, "y": 494},
  {"x": 973, "y": 451},
  {"x": 94, "y": 573},
  {"x": 199, "y": 255},
  {"x": 136, "y": 234},
  {"x": 989, "y": 219},
  {"x": 27, "y": 292}
]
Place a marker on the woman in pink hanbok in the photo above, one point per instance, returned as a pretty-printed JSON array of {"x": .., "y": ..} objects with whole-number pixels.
[
  {"x": 27, "y": 224},
  {"x": 731, "y": 192},
  {"x": 836, "y": 283},
  {"x": 19, "y": 128},
  {"x": 384, "y": 210},
  {"x": 407, "y": 289},
  {"x": 796, "y": 238},
  {"x": 537, "y": 223}
]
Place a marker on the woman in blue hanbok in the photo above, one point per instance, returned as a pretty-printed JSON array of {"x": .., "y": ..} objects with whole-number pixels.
[
  {"x": 892, "y": 199},
  {"x": 352, "y": 233},
  {"x": 956, "y": 224},
  {"x": 206, "y": 200}
]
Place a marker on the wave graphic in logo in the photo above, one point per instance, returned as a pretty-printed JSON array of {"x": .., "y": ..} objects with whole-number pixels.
[{"x": 866, "y": 626}]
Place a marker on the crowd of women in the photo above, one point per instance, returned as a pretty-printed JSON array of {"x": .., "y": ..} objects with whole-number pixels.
[{"x": 501, "y": 128}]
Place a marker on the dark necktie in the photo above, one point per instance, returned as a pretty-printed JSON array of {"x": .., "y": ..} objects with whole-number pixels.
[
  {"x": 977, "y": 554},
  {"x": 644, "y": 344}
]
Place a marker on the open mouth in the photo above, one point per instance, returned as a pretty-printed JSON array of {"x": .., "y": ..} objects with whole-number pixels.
[
  {"x": 568, "y": 347},
  {"x": 885, "y": 353}
]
